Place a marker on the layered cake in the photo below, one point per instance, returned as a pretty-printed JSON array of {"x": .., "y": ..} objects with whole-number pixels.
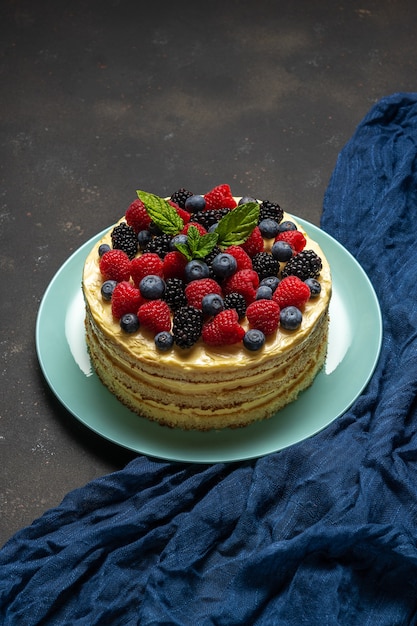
[{"x": 206, "y": 311}]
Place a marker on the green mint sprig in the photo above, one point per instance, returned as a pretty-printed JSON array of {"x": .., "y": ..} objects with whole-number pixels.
[
  {"x": 161, "y": 213},
  {"x": 236, "y": 226},
  {"x": 197, "y": 246}
]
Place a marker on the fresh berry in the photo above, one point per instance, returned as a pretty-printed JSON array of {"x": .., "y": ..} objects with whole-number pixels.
[
  {"x": 152, "y": 287},
  {"x": 306, "y": 264},
  {"x": 282, "y": 251},
  {"x": 107, "y": 289},
  {"x": 244, "y": 262},
  {"x": 212, "y": 304},
  {"x": 287, "y": 225},
  {"x": 115, "y": 265},
  {"x": 180, "y": 196},
  {"x": 129, "y": 322},
  {"x": 197, "y": 289},
  {"x": 254, "y": 339},
  {"x": 295, "y": 238},
  {"x": 195, "y": 270},
  {"x": 224, "y": 265},
  {"x": 174, "y": 294},
  {"x": 144, "y": 237},
  {"x": 246, "y": 200},
  {"x": 159, "y": 245},
  {"x": 155, "y": 316},
  {"x": 220, "y": 197},
  {"x": 237, "y": 302},
  {"x": 270, "y": 210},
  {"x": 147, "y": 263},
  {"x": 104, "y": 247},
  {"x": 254, "y": 243},
  {"x": 124, "y": 238},
  {"x": 223, "y": 329},
  {"x": 269, "y": 228},
  {"x": 264, "y": 315},
  {"x": 187, "y": 326},
  {"x": 291, "y": 318},
  {"x": 244, "y": 282},
  {"x": 125, "y": 299},
  {"x": 210, "y": 218},
  {"x": 137, "y": 216},
  {"x": 195, "y": 203},
  {"x": 198, "y": 226},
  {"x": 164, "y": 341},
  {"x": 291, "y": 291},
  {"x": 314, "y": 286},
  {"x": 270, "y": 281},
  {"x": 182, "y": 239},
  {"x": 264, "y": 293},
  {"x": 174, "y": 265},
  {"x": 265, "y": 265}
]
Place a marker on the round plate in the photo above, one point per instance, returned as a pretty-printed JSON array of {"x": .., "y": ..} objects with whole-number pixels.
[{"x": 354, "y": 346}]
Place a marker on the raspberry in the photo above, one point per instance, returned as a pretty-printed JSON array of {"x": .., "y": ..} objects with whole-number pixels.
[
  {"x": 197, "y": 289},
  {"x": 147, "y": 263},
  {"x": 124, "y": 237},
  {"x": 264, "y": 315},
  {"x": 125, "y": 299},
  {"x": 306, "y": 264},
  {"x": 291, "y": 291},
  {"x": 220, "y": 197},
  {"x": 187, "y": 326},
  {"x": 254, "y": 243},
  {"x": 244, "y": 282},
  {"x": 137, "y": 216},
  {"x": 244, "y": 261},
  {"x": 115, "y": 265},
  {"x": 224, "y": 329},
  {"x": 198, "y": 226},
  {"x": 155, "y": 316},
  {"x": 174, "y": 264},
  {"x": 295, "y": 238}
]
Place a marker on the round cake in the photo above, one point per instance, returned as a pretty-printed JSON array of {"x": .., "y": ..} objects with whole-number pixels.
[{"x": 206, "y": 311}]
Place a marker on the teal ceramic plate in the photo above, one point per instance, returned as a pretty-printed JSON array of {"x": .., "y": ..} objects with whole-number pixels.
[{"x": 354, "y": 346}]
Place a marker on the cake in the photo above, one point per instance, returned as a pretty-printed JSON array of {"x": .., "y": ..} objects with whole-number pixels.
[{"x": 206, "y": 311}]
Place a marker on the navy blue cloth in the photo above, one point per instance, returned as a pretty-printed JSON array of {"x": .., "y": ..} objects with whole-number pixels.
[{"x": 322, "y": 533}]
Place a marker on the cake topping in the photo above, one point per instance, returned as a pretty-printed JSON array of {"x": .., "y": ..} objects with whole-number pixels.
[{"x": 205, "y": 267}]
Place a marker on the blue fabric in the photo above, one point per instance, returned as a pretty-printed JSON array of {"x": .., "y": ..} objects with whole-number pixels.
[{"x": 321, "y": 533}]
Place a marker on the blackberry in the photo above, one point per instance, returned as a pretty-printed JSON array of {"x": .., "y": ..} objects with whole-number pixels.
[
  {"x": 174, "y": 294},
  {"x": 271, "y": 210},
  {"x": 209, "y": 259},
  {"x": 208, "y": 218},
  {"x": 305, "y": 264},
  {"x": 123, "y": 237},
  {"x": 180, "y": 196},
  {"x": 159, "y": 244},
  {"x": 265, "y": 265},
  {"x": 235, "y": 301},
  {"x": 187, "y": 326}
]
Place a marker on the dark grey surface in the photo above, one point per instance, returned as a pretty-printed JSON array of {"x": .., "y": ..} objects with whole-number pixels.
[{"x": 101, "y": 98}]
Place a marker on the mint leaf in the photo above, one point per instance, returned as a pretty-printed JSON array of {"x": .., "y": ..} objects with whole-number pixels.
[
  {"x": 161, "y": 213},
  {"x": 236, "y": 226},
  {"x": 198, "y": 246}
]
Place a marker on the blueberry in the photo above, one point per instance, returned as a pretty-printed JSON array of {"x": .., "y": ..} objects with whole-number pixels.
[
  {"x": 212, "y": 304},
  {"x": 144, "y": 237},
  {"x": 177, "y": 239},
  {"x": 196, "y": 269},
  {"x": 264, "y": 293},
  {"x": 246, "y": 199},
  {"x": 107, "y": 289},
  {"x": 224, "y": 265},
  {"x": 270, "y": 281},
  {"x": 253, "y": 339},
  {"x": 129, "y": 322},
  {"x": 164, "y": 341},
  {"x": 195, "y": 203},
  {"x": 103, "y": 249},
  {"x": 213, "y": 227},
  {"x": 269, "y": 228},
  {"x": 287, "y": 225},
  {"x": 290, "y": 318},
  {"x": 314, "y": 286},
  {"x": 152, "y": 287},
  {"x": 281, "y": 251}
]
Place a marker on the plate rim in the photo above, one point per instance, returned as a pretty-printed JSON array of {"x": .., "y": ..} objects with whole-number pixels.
[{"x": 316, "y": 233}]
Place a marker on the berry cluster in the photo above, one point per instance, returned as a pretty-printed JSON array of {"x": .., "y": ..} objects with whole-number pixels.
[{"x": 196, "y": 266}]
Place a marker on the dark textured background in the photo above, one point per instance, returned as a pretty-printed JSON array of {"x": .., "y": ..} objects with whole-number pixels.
[{"x": 100, "y": 98}]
